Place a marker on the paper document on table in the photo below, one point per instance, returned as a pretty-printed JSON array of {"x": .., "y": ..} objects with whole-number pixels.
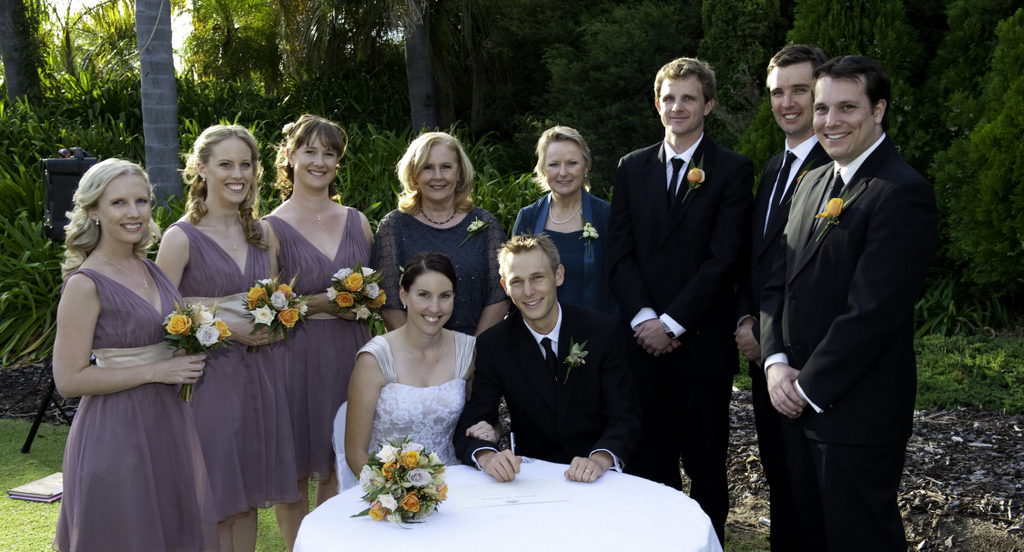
[{"x": 493, "y": 493}]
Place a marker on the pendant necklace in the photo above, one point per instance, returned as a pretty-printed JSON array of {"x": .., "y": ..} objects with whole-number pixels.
[{"x": 111, "y": 263}]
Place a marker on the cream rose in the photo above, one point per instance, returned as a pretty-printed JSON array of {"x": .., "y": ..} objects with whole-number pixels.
[
  {"x": 362, "y": 313},
  {"x": 263, "y": 315},
  {"x": 366, "y": 477},
  {"x": 343, "y": 273},
  {"x": 331, "y": 293},
  {"x": 204, "y": 315},
  {"x": 387, "y": 453},
  {"x": 388, "y": 501}
]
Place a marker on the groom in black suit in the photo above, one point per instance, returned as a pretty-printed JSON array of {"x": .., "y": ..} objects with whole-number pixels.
[
  {"x": 576, "y": 409},
  {"x": 837, "y": 317},
  {"x": 679, "y": 230}
]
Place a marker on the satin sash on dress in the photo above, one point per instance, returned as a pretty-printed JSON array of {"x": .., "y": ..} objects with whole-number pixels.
[
  {"x": 113, "y": 357},
  {"x": 230, "y": 308},
  {"x": 321, "y": 316}
]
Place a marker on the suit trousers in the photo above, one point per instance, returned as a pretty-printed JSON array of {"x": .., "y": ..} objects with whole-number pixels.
[
  {"x": 785, "y": 529},
  {"x": 686, "y": 421},
  {"x": 846, "y": 495}
]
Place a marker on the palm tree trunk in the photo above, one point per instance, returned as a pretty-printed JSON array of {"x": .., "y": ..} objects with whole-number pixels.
[
  {"x": 159, "y": 95},
  {"x": 20, "y": 73},
  {"x": 422, "y": 96}
]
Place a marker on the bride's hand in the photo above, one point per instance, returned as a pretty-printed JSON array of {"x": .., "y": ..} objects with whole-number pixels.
[{"x": 485, "y": 431}]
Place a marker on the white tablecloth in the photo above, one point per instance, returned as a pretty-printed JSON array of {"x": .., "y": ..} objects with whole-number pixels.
[{"x": 618, "y": 512}]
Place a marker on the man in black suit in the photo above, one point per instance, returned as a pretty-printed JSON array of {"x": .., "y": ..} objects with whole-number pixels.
[
  {"x": 790, "y": 79},
  {"x": 679, "y": 230},
  {"x": 837, "y": 317},
  {"x": 562, "y": 372}
]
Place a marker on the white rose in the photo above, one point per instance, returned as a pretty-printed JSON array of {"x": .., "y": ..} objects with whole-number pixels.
[
  {"x": 412, "y": 446},
  {"x": 387, "y": 453},
  {"x": 388, "y": 501},
  {"x": 278, "y": 300},
  {"x": 208, "y": 335},
  {"x": 303, "y": 308},
  {"x": 205, "y": 316},
  {"x": 419, "y": 477},
  {"x": 263, "y": 315},
  {"x": 372, "y": 290},
  {"x": 342, "y": 274},
  {"x": 332, "y": 294},
  {"x": 434, "y": 459},
  {"x": 362, "y": 312},
  {"x": 366, "y": 477},
  {"x": 367, "y": 271},
  {"x": 265, "y": 281}
]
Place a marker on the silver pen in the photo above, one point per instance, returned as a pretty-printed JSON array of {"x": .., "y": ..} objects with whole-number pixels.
[{"x": 512, "y": 442}]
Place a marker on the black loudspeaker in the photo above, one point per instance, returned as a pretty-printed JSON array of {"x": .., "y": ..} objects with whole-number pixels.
[{"x": 60, "y": 180}]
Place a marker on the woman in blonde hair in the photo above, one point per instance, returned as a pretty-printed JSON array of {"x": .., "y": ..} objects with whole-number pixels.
[
  {"x": 318, "y": 237},
  {"x": 134, "y": 477},
  {"x": 436, "y": 213},
  {"x": 214, "y": 254}
]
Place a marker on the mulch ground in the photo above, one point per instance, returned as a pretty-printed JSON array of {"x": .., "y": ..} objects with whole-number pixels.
[{"x": 963, "y": 481}]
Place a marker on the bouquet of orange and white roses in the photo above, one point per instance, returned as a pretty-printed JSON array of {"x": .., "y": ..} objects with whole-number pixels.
[
  {"x": 274, "y": 306},
  {"x": 194, "y": 329},
  {"x": 403, "y": 483},
  {"x": 358, "y": 290}
]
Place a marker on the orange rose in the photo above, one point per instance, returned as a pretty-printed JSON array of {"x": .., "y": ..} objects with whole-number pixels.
[
  {"x": 388, "y": 470},
  {"x": 289, "y": 317},
  {"x": 179, "y": 324},
  {"x": 380, "y": 300},
  {"x": 410, "y": 459},
  {"x": 255, "y": 294},
  {"x": 695, "y": 175},
  {"x": 222, "y": 327},
  {"x": 377, "y": 512},
  {"x": 411, "y": 503},
  {"x": 442, "y": 491},
  {"x": 344, "y": 299},
  {"x": 833, "y": 209},
  {"x": 285, "y": 289},
  {"x": 353, "y": 282}
]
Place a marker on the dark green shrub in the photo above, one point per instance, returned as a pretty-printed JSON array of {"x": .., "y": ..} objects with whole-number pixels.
[
  {"x": 975, "y": 371},
  {"x": 30, "y": 282}
]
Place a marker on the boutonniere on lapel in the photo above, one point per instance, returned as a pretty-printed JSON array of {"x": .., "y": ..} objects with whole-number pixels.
[
  {"x": 575, "y": 359},
  {"x": 590, "y": 233},
  {"x": 803, "y": 172},
  {"x": 833, "y": 209},
  {"x": 475, "y": 228},
  {"x": 694, "y": 178}
]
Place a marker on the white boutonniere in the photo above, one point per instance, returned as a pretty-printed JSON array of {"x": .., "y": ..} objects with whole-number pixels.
[
  {"x": 475, "y": 228},
  {"x": 590, "y": 234},
  {"x": 576, "y": 355}
]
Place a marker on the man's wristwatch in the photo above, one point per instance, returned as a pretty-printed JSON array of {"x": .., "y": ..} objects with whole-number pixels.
[{"x": 668, "y": 331}]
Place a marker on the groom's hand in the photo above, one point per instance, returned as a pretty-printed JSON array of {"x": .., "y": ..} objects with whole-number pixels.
[
  {"x": 588, "y": 470},
  {"x": 652, "y": 337},
  {"x": 502, "y": 466}
]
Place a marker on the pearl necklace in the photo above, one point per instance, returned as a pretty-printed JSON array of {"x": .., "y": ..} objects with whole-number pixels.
[
  {"x": 445, "y": 221},
  {"x": 572, "y": 216},
  {"x": 111, "y": 263}
]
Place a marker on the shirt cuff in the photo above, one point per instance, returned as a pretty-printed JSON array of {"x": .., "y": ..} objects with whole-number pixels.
[
  {"x": 478, "y": 450},
  {"x": 775, "y": 359},
  {"x": 644, "y": 315},
  {"x": 744, "y": 317},
  {"x": 616, "y": 463},
  {"x": 804, "y": 395},
  {"x": 672, "y": 325}
]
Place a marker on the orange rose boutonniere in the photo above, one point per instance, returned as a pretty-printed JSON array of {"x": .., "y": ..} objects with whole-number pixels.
[
  {"x": 831, "y": 215},
  {"x": 694, "y": 178}
]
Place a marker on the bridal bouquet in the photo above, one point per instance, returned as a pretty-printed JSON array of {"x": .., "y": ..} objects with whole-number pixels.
[
  {"x": 358, "y": 290},
  {"x": 403, "y": 483},
  {"x": 194, "y": 329},
  {"x": 275, "y": 306}
]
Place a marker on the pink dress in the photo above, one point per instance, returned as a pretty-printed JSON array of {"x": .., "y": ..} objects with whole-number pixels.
[
  {"x": 134, "y": 477},
  {"x": 239, "y": 403},
  {"x": 320, "y": 354}
]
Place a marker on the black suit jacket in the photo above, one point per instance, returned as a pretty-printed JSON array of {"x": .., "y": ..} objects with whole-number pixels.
[
  {"x": 554, "y": 421},
  {"x": 684, "y": 261},
  {"x": 764, "y": 243},
  {"x": 842, "y": 307}
]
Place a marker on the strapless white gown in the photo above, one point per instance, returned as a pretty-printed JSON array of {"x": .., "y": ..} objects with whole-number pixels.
[{"x": 426, "y": 415}]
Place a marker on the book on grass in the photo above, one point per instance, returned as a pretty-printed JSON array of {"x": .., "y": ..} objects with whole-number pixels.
[{"x": 47, "y": 489}]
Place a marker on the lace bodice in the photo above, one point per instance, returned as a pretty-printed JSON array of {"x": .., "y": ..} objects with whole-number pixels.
[{"x": 426, "y": 414}]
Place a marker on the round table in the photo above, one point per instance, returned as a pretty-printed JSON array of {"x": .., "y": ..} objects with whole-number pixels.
[{"x": 617, "y": 512}]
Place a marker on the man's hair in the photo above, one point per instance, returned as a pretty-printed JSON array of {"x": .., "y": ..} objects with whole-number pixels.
[
  {"x": 524, "y": 243},
  {"x": 685, "y": 67},
  {"x": 797, "y": 53},
  {"x": 865, "y": 71}
]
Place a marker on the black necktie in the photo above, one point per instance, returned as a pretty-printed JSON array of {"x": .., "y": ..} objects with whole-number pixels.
[
  {"x": 550, "y": 357},
  {"x": 780, "y": 186},
  {"x": 677, "y": 168},
  {"x": 837, "y": 186}
]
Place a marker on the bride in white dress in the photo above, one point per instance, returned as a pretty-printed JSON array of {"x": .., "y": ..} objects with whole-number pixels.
[{"x": 414, "y": 380}]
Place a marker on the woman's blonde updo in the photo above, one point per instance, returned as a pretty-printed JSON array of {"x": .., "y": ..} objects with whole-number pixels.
[
  {"x": 560, "y": 134},
  {"x": 83, "y": 234},
  {"x": 411, "y": 165},
  {"x": 302, "y": 133},
  {"x": 248, "y": 210}
]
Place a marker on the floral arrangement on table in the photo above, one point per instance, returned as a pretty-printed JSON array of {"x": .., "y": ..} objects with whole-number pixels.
[
  {"x": 403, "y": 483},
  {"x": 357, "y": 290},
  {"x": 194, "y": 329},
  {"x": 275, "y": 307}
]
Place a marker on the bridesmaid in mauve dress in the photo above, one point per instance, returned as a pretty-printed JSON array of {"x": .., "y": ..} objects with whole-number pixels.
[
  {"x": 134, "y": 476},
  {"x": 318, "y": 236},
  {"x": 215, "y": 253}
]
